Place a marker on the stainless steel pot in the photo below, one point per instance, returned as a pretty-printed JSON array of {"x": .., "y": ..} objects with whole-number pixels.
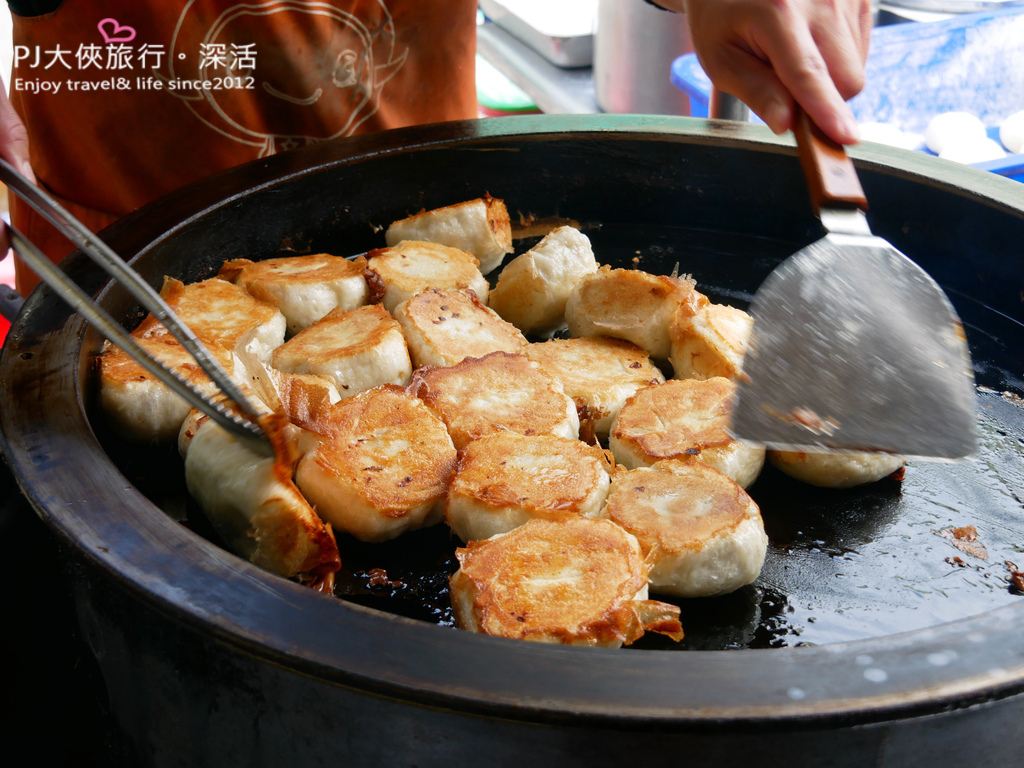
[
  {"x": 208, "y": 661},
  {"x": 634, "y": 46}
]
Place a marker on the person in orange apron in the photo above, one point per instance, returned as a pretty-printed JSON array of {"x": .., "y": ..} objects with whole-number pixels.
[
  {"x": 114, "y": 104},
  {"x": 125, "y": 101}
]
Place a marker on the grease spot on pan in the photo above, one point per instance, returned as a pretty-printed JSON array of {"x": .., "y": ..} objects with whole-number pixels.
[
  {"x": 942, "y": 658},
  {"x": 875, "y": 675}
]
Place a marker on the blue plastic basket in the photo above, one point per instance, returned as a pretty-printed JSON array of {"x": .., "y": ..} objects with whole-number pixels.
[{"x": 971, "y": 63}]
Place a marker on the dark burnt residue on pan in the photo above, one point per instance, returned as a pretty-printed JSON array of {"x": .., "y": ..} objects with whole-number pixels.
[
  {"x": 1016, "y": 578},
  {"x": 966, "y": 540}
]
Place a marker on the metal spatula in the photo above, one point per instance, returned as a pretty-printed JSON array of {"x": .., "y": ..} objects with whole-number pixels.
[{"x": 854, "y": 346}]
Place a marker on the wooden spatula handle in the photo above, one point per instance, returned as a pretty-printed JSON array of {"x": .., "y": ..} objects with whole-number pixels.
[{"x": 830, "y": 174}]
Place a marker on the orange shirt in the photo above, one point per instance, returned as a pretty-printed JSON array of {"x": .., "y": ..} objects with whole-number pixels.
[{"x": 125, "y": 101}]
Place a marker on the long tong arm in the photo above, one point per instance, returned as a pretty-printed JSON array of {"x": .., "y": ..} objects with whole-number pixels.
[{"x": 244, "y": 424}]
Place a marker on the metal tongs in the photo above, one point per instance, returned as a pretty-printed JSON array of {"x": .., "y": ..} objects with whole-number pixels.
[{"x": 241, "y": 421}]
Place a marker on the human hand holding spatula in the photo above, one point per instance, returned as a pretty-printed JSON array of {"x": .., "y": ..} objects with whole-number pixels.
[{"x": 854, "y": 346}]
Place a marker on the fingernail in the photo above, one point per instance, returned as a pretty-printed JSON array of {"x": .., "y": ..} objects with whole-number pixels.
[{"x": 26, "y": 170}]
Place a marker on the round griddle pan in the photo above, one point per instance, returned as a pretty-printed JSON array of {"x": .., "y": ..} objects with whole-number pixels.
[{"x": 869, "y": 637}]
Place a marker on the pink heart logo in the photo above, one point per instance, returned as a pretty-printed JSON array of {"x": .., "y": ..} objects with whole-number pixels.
[{"x": 118, "y": 33}]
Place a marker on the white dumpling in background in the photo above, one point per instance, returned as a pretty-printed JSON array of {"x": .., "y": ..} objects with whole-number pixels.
[
  {"x": 891, "y": 135},
  {"x": 1011, "y": 132},
  {"x": 975, "y": 152},
  {"x": 951, "y": 129}
]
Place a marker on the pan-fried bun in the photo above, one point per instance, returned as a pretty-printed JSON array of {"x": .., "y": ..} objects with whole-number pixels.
[
  {"x": 220, "y": 313},
  {"x": 710, "y": 342},
  {"x": 196, "y": 418},
  {"x": 360, "y": 349},
  {"x": 702, "y": 531},
  {"x": 139, "y": 406},
  {"x": 304, "y": 288},
  {"x": 533, "y": 288},
  {"x": 255, "y": 507},
  {"x": 599, "y": 374},
  {"x": 632, "y": 305},
  {"x": 575, "y": 581},
  {"x": 299, "y": 397},
  {"x": 223, "y": 317},
  {"x": 382, "y": 468},
  {"x": 506, "y": 479},
  {"x": 496, "y": 393},
  {"x": 443, "y": 327},
  {"x": 836, "y": 470},
  {"x": 413, "y": 266},
  {"x": 481, "y": 227},
  {"x": 683, "y": 419}
]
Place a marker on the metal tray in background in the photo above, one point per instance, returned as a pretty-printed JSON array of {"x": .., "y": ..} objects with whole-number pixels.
[{"x": 564, "y": 44}]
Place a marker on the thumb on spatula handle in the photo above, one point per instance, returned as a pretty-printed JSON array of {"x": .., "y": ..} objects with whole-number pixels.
[{"x": 830, "y": 174}]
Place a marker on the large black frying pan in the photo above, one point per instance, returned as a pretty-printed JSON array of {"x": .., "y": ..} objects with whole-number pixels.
[{"x": 870, "y": 638}]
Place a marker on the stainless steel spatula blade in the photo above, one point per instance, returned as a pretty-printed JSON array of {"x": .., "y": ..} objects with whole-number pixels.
[{"x": 855, "y": 347}]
